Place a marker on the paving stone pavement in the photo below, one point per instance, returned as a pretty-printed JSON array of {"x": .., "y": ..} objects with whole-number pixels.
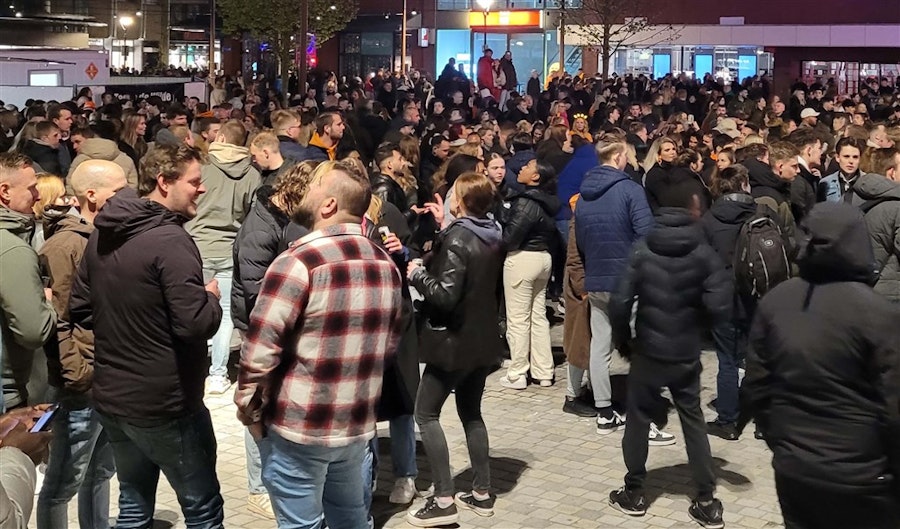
[{"x": 549, "y": 469}]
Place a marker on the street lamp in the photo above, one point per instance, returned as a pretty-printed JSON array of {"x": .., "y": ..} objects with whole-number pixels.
[
  {"x": 126, "y": 22},
  {"x": 485, "y": 8}
]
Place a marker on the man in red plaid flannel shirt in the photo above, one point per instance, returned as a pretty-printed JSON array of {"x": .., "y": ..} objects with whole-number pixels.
[{"x": 311, "y": 366}]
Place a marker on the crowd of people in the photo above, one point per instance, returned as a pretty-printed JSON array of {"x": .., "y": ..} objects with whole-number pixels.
[{"x": 366, "y": 228}]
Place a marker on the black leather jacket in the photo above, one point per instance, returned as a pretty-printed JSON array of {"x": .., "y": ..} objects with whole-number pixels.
[
  {"x": 388, "y": 190},
  {"x": 461, "y": 294},
  {"x": 529, "y": 222}
]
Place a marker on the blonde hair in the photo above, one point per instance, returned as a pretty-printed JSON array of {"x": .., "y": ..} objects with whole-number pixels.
[
  {"x": 292, "y": 185},
  {"x": 51, "y": 188},
  {"x": 282, "y": 119},
  {"x": 265, "y": 140}
]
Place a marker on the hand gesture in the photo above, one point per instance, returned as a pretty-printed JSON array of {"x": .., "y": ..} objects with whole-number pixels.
[{"x": 436, "y": 209}]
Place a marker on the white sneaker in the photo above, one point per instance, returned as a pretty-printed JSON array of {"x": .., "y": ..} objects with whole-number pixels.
[
  {"x": 217, "y": 385},
  {"x": 607, "y": 426},
  {"x": 657, "y": 437},
  {"x": 404, "y": 491},
  {"x": 519, "y": 383}
]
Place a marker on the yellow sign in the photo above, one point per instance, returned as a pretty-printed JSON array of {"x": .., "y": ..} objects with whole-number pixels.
[{"x": 505, "y": 18}]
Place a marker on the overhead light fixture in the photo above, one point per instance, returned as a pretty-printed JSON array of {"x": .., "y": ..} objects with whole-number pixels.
[
  {"x": 414, "y": 12},
  {"x": 333, "y": 8}
]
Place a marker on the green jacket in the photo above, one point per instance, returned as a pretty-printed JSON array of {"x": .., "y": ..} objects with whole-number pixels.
[
  {"x": 27, "y": 319},
  {"x": 230, "y": 181}
]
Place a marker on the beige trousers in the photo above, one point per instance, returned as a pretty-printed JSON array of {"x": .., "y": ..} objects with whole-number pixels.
[{"x": 525, "y": 278}]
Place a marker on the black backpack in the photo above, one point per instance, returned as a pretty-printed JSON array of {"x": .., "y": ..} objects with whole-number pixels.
[{"x": 760, "y": 256}]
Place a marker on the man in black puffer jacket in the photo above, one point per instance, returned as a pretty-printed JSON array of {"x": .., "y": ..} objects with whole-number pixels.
[
  {"x": 823, "y": 372},
  {"x": 678, "y": 282}
]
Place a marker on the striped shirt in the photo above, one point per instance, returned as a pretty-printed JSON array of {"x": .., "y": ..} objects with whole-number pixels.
[{"x": 327, "y": 315}]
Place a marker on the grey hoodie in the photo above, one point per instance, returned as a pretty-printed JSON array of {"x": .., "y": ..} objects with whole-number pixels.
[
  {"x": 102, "y": 149},
  {"x": 231, "y": 182},
  {"x": 883, "y": 222}
]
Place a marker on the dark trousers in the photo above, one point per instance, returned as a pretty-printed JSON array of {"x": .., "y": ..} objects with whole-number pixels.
[
  {"x": 808, "y": 507},
  {"x": 184, "y": 449},
  {"x": 646, "y": 379},
  {"x": 731, "y": 340},
  {"x": 435, "y": 387}
]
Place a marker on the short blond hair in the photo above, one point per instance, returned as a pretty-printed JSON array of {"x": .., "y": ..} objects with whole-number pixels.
[
  {"x": 265, "y": 140},
  {"x": 282, "y": 119}
]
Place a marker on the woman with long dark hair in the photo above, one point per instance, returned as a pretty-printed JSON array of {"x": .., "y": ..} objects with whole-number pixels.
[{"x": 530, "y": 237}]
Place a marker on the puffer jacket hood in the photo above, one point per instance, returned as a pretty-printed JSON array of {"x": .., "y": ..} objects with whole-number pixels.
[
  {"x": 835, "y": 245},
  {"x": 100, "y": 149},
  {"x": 599, "y": 180},
  {"x": 871, "y": 186},
  {"x": 20, "y": 225},
  {"x": 127, "y": 215},
  {"x": 233, "y": 160},
  {"x": 677, "y": 233}
]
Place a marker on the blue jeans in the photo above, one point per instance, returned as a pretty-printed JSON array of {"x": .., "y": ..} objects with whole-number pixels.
[
  {"x": 730, "y": 339},
  {"x": 306, "y": 482},
  {"x": 222, "y": 270},
  {"x": 81, "y": 462},
  {"x": 254, "y": 464},
  {"x": 184, "y": 449}
]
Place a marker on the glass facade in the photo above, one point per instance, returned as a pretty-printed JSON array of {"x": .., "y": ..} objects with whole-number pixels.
[
  {"x": 502, "y": 5},
  {"x": 722, "y": 61}
]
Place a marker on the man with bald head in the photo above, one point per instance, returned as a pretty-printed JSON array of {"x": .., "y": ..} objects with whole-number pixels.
[
  {"x": 320, "y": 403},
  {"x": 81, "y": 460},
  {"x": 27, "y": 319}
]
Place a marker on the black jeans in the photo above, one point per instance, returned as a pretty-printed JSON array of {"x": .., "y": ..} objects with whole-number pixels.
[
  {"x": 646, "y": 379},
  {"x": 434, "y": 389},
  {"x": 808, "y": 507}
]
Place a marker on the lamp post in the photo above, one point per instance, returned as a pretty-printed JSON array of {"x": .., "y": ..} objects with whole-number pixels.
[
  {"x": 485, "y": 8},
  {"x": 126, "y": 22},
  {"x": 403, "y": 41}
]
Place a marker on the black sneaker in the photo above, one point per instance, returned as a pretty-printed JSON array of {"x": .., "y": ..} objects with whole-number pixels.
[
  {"x": 467, "y": 500},
  {"x": 725, "y": 430},
  {"x": 629, "y": 502},
  {"x": 758, "y": 434},
  {"x": 579, "y": 407},
  {"x": 707, "y": 514},
  {"x": 607, "y": 425},
  {"x": 431, "y": 515}
]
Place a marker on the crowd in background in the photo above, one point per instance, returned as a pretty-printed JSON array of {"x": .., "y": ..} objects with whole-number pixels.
[{"x": 434, "y": 221}]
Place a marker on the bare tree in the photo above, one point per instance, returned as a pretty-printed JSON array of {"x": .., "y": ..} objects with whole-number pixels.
[{"x": 611, "y": 25}]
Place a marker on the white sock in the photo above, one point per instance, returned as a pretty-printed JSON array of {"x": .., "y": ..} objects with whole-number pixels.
[{"x": 481, "y": 497}]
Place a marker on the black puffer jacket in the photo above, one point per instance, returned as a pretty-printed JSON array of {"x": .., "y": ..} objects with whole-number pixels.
[
  {"x": 461, "y": 297},
  {"x": 264, "y": 234},
  {"x": 803, "y": 193},
  {"x": 529, "y": 224},
  {"x": 679, "y": 284},
  {"x": 44, "y": 156},
  {"x": 824, "y": 363}
]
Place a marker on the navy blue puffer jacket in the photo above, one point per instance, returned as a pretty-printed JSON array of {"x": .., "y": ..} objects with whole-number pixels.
[{"x": 611, "y": 215}]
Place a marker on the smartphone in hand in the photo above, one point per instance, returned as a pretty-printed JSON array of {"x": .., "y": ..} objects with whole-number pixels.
[{"x": 43, "y": 424}]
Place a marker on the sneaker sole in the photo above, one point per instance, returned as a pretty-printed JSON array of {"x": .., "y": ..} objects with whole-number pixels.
[
  {"x": 397, "y": 501},
  {"x": 623, "y": 510},
  {"x": 480, "y": 511},
  {"x": 432, "y": 522},
  {"x": 707, "y": 525},
  {"x": 657, "y": 442},
  {"x": 607, "y": 431}
]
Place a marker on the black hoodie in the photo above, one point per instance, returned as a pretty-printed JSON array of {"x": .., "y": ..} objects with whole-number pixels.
[
  {"x": 765, "y": 183},
  {"x": 140, "y": 286},
  {"x": 823, "y": 368},
  {"x": 679, "y": 283}
]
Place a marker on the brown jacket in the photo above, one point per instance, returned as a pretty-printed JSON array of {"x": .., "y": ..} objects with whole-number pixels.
[
  {"x": 577, "y": 321},
  {"x": 70, "y": 358}
]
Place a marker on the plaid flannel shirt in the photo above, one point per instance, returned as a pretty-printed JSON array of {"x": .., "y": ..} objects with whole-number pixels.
[{"x": 327, "y": 315}]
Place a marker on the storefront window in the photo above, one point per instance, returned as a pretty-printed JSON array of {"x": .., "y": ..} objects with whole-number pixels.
[{"x": 453, "y": 43}]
